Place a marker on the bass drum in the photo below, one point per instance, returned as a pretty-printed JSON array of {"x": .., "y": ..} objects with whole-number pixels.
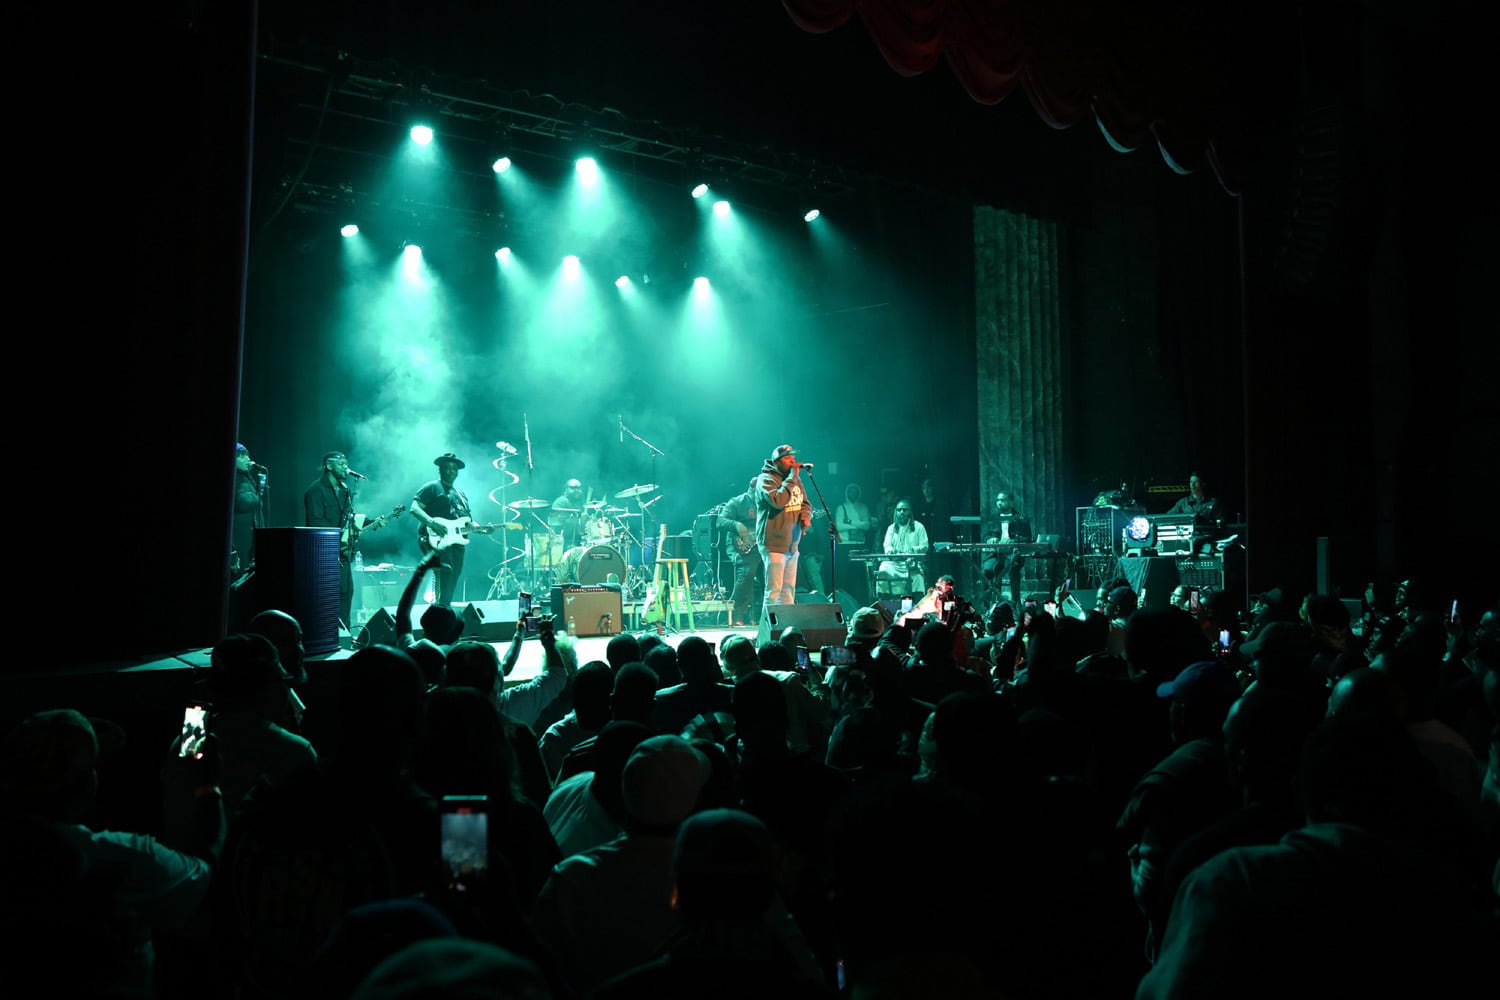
[{"x": 591, "y": 565}]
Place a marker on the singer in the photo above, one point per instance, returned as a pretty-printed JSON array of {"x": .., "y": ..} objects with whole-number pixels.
[
  {"x": 781, "y": 516},
  {"x": 329, "y": 503},
  {"x": 249, "y": 511}
]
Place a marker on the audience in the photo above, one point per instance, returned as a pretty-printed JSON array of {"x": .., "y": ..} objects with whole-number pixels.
[{"x": 1314, "y": 809}]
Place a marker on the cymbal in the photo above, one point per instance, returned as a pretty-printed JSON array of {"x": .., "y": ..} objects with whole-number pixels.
[
  {"x": 593, "y": 506},
  {"x": 528, "y": 503},
  {"x": 634, "y": 491},
  {"x": 564, "y": 510},
  {"x": 614, "y": 511}
]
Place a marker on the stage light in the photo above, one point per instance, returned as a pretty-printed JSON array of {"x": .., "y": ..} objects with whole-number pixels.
[
  {"x": 503, "y": 255},
  {"x": 700, "y": 285},
  {"x": 812, "y": 214},
  {"x": 1139, "y": 536},
  {"x": 350, "y": 230},
  {"x": 501, "y": 165},
  {"x": 588, "y": 170},
  {"x": 411, "y": 250},
  {"x": 721, "y": 209},
  {"x": 700, "y": 190},
  {"x": 623, "y": 281},
  {"x": 421, "y": 134},
  {"x": 570, "y": 265}
]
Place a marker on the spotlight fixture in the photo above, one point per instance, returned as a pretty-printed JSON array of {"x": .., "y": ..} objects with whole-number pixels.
[
  {"x": 700, "y": 190},
  {"x": 588, "y": 169},
  {"x": 501, "y": 165},
  {"x": 721, "y": 209},
  {"x": 1139, "y": 536},
  {"x": 421, "y": 134},
  {"x": 350, "y": 230},
  {"x": 811, "y": 214},
  {"x": 503, "y": 255},
  {"x": 623, "y": 281}
]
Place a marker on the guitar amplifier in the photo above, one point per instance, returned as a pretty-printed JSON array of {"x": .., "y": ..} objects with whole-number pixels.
[{"x": 595, "y": 610}]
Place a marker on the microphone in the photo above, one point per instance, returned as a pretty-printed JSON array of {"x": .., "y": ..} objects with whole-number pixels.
[
  {"x": 805, "y": 465},
  {"x": 257, "y": 467},
  {"x": 622, "y": 428},
  {"x": 357, "y": 475}
]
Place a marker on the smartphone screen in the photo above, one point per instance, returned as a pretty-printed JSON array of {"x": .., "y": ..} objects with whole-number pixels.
[
  {"x": 801, "y": 657},
  {"x": 194, "y": 730},
  {"x": 1453, "y": 613},
  {"x": 525, "y": 604},
  {"x": 1223, "y": 638},
  {"x": 837, "y": 656},
  {"x": 1193, "y": 604},
  {"x": 465, "y": 836}
]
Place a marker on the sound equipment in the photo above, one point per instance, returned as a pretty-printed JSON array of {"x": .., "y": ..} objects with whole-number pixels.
[
  {"x": 380, "y": 630},
  {"x": 820, "y": 624},
  {"x": 490, "y": 621},
  {"x": 595, "y": 611},
  {"x": 1204, "y": 571},
  {"x": 297, "y": 571},
  {"x": 703, "y": 537}
]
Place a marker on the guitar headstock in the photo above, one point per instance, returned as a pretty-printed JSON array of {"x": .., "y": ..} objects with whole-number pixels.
[{"x": 398, "y": 510}]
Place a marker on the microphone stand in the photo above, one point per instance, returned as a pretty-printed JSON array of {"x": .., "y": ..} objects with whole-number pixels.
[
  {"x": 655, "y": 451},
  {"x": 834, "y": 541}
]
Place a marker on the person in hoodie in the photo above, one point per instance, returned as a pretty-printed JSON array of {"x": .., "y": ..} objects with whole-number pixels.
[{"x": 782, "y": 514}]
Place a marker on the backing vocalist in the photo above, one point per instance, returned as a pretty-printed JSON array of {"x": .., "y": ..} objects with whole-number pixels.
[{"x": 781, "y": 516}]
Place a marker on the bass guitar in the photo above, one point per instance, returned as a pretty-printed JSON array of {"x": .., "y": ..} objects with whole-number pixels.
[
  {"x": 458, "y": 530},
  {"x": 654, "y": 608},
  {"x": 358, "y": 525}
]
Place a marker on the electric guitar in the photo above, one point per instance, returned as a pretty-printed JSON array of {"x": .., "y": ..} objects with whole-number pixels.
[
  {"x": 654, "y": 608},
  {"x": 349, "y": 537},
  {"x": 458, "y": 531}
]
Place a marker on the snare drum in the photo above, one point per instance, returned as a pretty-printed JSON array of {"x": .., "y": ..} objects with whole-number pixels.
[{"x": 591, "y": 565}]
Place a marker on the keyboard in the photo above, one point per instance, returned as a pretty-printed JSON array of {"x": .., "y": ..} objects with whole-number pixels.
[{"x": 991, "y": 547}]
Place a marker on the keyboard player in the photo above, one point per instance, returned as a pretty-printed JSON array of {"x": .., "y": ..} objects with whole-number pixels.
[
  {"x": 906, "y": 536},
  {"x": 1007, "y": 526}
]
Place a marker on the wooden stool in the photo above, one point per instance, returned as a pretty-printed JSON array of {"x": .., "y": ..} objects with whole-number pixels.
[{"x": 679, "y": 592}]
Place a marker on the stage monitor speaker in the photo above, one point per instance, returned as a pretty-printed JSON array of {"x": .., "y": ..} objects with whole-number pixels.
[
  {"x": 820, "y": 624},
  {"x": 380, "y": 630},
  {"x": 490, "y": 621},
  {"x": 596, "y": 611},
  {"x": 297, "y": 571}
]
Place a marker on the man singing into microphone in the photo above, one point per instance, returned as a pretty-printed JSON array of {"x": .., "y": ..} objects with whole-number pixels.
[
  {"x": 329, "y": 503},
  {"x": 781, "y": 515}
]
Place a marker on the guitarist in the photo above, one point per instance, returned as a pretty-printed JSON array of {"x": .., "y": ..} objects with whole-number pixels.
[
  {"x": 329, "y": 503},
  {"x": 440, "y": 498},
  {"x": 736, "y": 525}
]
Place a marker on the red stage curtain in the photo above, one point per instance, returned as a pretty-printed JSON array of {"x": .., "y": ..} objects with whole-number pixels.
[{"x": 1145, "y": 75}]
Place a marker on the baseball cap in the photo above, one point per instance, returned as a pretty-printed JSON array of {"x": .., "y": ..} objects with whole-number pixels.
[
  {"x": 867, "y": 623},
  {"x": 662, "y": 780},
  {"x": 782, "y": 449},
  {"x": 1201, "y": 681}
]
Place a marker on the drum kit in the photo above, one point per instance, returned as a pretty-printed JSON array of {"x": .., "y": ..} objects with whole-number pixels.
[{"x": 604, "y": 533}]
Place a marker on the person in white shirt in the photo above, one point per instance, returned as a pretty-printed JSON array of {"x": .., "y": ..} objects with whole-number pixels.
[{"x": 905, "y": 536}]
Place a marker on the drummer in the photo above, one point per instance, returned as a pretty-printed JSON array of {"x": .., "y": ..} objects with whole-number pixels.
[{"x": 567, "y": 514}]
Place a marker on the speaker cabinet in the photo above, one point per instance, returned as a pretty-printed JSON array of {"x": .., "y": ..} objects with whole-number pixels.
[
  {"x": 821, "y": 624},
  {"x": 490, "y": 621},
  {"x": 595, "y": 611},
  {"x": 297, "y": 571},
  {"x": 380, "y": 630}
]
